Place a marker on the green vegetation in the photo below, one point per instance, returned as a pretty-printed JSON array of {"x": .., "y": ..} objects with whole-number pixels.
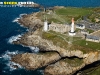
[
  {"x": 62, "y": 41},
  {"x": 95, "y": 72},
  {"x": 78, "y": 43},
  {"x": 47, "y": 53},
  {"x": 91, "y": 45},
  {"x": 97, "y": 10},
  {"x": 92, "y": 70},
  {"x": 69, "y": 12},
  {"x": 73, "y": 61},
  {"x": 74, "y": 11},
  {"x": 54, "y": 20},
  {"x": 95, "y": 14},
  {"x": 90, "y": 31},
  {"x": 57, "y": 40},
  {"x": 62, "y": 15}
]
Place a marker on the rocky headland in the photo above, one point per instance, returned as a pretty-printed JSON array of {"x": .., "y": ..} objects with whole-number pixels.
[
  {"x": 30, "y": 62},
  {"x": 57, "y": 60}
]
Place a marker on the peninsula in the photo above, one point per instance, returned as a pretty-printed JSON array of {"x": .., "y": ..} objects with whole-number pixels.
[{"x": 66, "y": 46}]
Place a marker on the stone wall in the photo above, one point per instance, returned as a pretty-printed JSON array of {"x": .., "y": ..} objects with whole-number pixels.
[{"x": 59, "y": 27}]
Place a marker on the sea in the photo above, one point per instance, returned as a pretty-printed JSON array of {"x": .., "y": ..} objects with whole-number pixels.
[{"x": 10, "y": 31}]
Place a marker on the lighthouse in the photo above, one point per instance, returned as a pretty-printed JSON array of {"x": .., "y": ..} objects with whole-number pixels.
[
  {"x": 72, "y": 31},
  {"x": 45, "y": 25}
]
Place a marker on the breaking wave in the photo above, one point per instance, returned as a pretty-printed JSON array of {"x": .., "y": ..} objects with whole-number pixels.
[
  {"x": 16, "y": 20},
  {"x": 22, "y": 14},
  {"x": 6, "y": 55},
  {"x": 41, "y": 71},
  {"x": 12, "y": 66},
  {"x": 14, "y": 38},
  {"x": 6, "y": 58},
  {"x": 33, "y": 49}
]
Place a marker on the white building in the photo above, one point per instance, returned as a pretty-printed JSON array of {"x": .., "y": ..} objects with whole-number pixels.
[
  {"x": 45, "y": 26},
  {"x": 72, "y": 31},
  {"x": 93, "y": 38}
]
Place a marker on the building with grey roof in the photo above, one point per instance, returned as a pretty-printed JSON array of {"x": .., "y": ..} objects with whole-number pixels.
[{"x": 93, "y": 38}]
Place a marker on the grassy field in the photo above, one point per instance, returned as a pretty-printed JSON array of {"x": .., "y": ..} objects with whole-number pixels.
[
  {"x": 90, "y": 31},
  {"x": 77, "y": 43},
  {"x": 92, "y": 45},
  {"x": 69, "y": 12},
  {"x": 62, "y": 15},
  {"x": 92, "y": 69},
  {"x": 73, "y": 61},
  {"x": 95, "y": 72},
  {"x": 57, "y": 40},
  {"x": 96, "y": 14}
]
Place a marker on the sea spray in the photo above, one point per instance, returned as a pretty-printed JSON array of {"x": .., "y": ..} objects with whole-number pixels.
[
  {"x": 14, "y": 38},
  {"x": 16, "y": 20},
  {"x": 32, "y": 48},
  {"x": 20, "y": 16},
  {"x": 6, "y": 58}
]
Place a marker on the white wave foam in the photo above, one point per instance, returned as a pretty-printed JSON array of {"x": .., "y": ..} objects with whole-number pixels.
[
  {"x": 14, "y": 38},
  {"x": 12, "y": 53},
  {"x": 27, "y": 29},
  {"x": 6, "y": 55},
  {"x": 22, "y": 14},
  {"x": 41, "y": 71},
  {"x": 15, "y": 20},
  {"x": 9, "y": 64},
  {"x": 34, "y": 49}
]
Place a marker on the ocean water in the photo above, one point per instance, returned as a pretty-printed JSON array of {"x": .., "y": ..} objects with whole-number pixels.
[{"x": 10, "y": 31}]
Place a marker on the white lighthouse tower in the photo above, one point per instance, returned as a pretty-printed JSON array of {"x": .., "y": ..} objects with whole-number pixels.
[
  {"x": 45, "y": 25},
  {"x": 72, "y": 31}
]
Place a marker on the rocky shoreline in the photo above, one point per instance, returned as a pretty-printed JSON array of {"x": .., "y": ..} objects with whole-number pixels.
[{"x": 58, "y": 61}]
